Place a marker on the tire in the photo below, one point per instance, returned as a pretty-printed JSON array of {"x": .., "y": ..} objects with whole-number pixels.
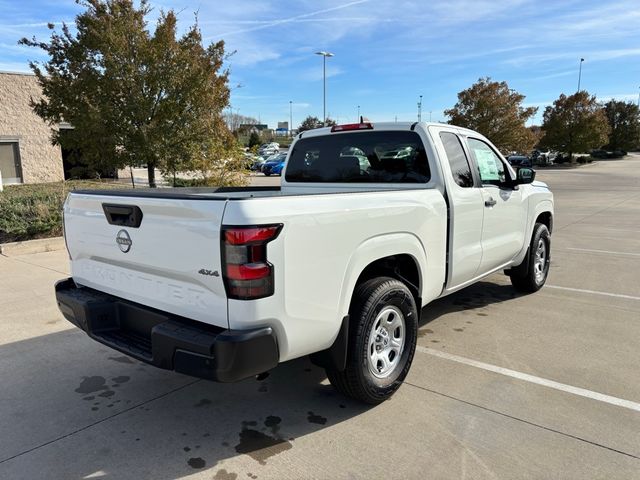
[
  {"x": 383, "y": 324},
  {"x": 531, "y": 275},
  {"x": 267, "y": 174}
]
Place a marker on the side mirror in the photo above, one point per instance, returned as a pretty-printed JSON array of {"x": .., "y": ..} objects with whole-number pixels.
[{"x": 525, "y": 175}]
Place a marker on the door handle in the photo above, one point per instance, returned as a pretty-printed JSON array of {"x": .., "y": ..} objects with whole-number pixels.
[{"x": 489, "y": 203}]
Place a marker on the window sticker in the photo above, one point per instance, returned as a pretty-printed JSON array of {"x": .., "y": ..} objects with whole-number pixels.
[{"x": 487, "y": 165}]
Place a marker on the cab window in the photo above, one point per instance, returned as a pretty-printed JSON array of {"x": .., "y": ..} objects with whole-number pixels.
[{"x": 491, "y": 169}]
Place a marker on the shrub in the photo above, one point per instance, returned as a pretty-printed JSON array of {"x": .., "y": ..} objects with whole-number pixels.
[{"x": 35, "y": 211}]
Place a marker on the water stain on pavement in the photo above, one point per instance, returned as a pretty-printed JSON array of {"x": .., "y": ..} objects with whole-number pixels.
[
  {"x": 203, "y": 402},
  {"x": 92, "y": 385},
  {"x": 222, "y": 474},
  {"x": 196, "y": 462},
  {"x": 273, "y": 423},
  {"x": 261, "y": 446},
  {"x": 318, "y": 419},
  {"x": 423, "y": 332}
]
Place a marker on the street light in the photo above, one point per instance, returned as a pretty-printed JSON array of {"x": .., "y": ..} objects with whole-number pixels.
[
  {"x": 324, "y": 84},
  {"x": 420, "y": 109},
  {"x": 580, "y": 73},
  {"x": 290, "y": 118},
  {"x": 358, "y": 114}
]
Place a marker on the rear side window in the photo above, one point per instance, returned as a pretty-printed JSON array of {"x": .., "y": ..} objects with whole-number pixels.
[
  {"x": 458, "y": 161},
  {"x": 360, "y": 157}
]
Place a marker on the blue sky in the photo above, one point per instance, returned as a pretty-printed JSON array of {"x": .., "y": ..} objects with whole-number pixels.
[{"x": 388, "y": 52}]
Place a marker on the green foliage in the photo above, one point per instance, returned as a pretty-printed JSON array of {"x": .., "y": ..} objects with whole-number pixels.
[
  {"x": 135, "y": 96},
  {"x": 624, "y": 125},
  {"x": 309, "y": 123},
  {"x": 254, "y": 139},
  {"x": 35, "y": 211},
  {"x": 495, "y": 111},
  {"x": 575, "y": 123}
]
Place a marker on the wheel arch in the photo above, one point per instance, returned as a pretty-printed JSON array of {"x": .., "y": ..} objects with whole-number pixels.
[
  {"x": 542, "y": 213},
  {"x": 398, "y": 255}
]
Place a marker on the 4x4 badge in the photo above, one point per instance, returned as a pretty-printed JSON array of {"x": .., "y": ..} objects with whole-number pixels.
[{"x": 212, "y": 273}]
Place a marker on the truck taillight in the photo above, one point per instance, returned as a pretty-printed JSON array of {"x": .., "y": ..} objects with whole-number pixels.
[{"x": 246, "y": 272}]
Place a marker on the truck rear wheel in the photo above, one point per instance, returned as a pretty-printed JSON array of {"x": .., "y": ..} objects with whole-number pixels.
[
  {"x": 531, "y": 275},
  {"x": 382, "y": 341}
]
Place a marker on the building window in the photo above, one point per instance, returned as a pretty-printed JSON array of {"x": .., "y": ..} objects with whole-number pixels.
[{"x": 10, "y": 163}]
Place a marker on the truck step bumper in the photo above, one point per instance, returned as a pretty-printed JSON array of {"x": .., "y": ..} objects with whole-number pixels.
[{"x": 165, "y": 340}]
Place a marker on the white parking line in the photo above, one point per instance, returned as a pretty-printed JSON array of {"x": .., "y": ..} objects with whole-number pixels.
[
  {"x": 603, "y": 251},
  {"x": 593, "y": 292},
  {"x": 582, "y": 392}
]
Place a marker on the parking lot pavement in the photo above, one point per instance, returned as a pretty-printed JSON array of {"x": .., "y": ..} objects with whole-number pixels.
[{"x": 502, "y": 386}]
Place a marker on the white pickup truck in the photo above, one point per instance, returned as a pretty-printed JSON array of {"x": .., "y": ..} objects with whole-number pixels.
[{"x": 371, "y": 223}]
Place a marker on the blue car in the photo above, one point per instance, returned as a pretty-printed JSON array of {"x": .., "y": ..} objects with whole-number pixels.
[
  {"x": 277, "y": 170},
  {"x": 267, "y": 167}
]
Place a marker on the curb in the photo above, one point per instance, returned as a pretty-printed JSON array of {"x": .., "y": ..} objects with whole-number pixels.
[{"x": 39, "y": 245}]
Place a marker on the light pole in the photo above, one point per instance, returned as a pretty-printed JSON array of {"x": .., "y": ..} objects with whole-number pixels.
[
  {"x": 420, "y": 109},
  {"x": 580, "y": 73},
  {"x": 429, "y": 115},
  {"x": 639, "y": 98},
  {"x": 290, "y": 118},
  {"x": 324, "y": 84},
  {"x": 358, "y": 114}
]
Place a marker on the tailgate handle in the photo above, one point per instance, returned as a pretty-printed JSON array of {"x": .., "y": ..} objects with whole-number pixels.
[{"x": 123, "y": 215}]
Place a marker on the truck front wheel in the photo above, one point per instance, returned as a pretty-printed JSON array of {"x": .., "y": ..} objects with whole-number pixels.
[
  {"x": 382, "y": 341},
  {"x": 531, "y": 275}
]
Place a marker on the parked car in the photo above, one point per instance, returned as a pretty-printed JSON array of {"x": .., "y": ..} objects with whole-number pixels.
[
  {"x": 600, "y": 153},
  {"x": 543, "y": 157},
  {"x": 268, "y": 148},
  {"x": 277, "y": 169},
  {"x": 337, "y": 263},
  {"x": 519, "y": 161},
  {"x": 272, "y": 162}
]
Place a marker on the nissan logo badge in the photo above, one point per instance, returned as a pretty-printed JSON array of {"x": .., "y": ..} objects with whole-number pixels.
[{"x": 124, "y": 241}]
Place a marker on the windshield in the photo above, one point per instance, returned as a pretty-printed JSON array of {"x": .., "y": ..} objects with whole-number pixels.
[{"x": 366, "y": 157}]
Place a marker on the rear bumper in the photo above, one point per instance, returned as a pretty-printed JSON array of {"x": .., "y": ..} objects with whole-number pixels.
[{"x": 165, "y": 340}]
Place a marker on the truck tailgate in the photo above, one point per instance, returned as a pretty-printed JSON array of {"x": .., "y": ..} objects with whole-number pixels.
[{"x": 160, "y": 252}]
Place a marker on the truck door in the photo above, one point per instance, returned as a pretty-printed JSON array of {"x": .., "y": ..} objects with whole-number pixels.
[
  {"x": 466, "y": 210},
  {"x": 505, "y": 212}
]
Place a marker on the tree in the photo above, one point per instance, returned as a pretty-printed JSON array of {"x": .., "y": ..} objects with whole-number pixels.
[
  {"x": 254, "y": 139},
  {"x": 309, "y": 123},
  {"x": 495, "y": 111},
  {"x": 134, "y": 97},
  {"x": 234, "y": 120},
  {"x": 575, "y": 123},
  {"x": 624, "y": 125}
]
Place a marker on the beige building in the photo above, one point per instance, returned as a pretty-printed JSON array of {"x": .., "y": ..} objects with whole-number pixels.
[{"x": 26, "y": 152}]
